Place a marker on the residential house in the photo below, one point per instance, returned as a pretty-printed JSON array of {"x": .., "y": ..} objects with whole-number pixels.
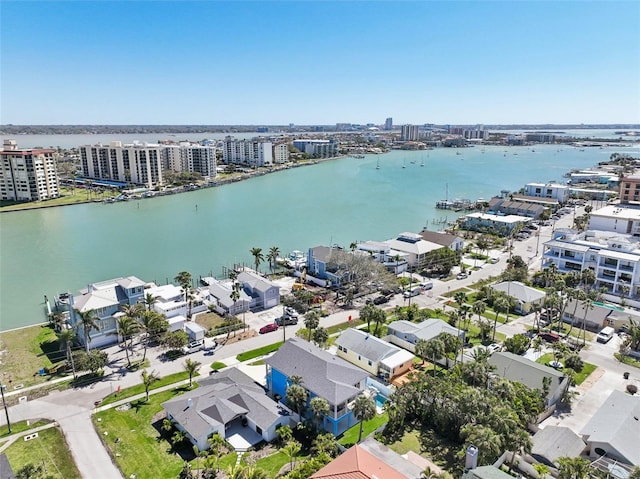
[
  {"x": 525, "y": 297},
  {"x": 220, "y": 293},
  {"x": 169, "y": 300},
  {"x": 554, "y": 442},
  {"x": 377, "y": 357},
  {"x": 614, "y": 430},
  {"x": 323, "y": 375},
  {"x": 231, "y": 404},
  {"x": 453, "y": 242},
  {"x": 369, "y": 460},
  {"x": 505, "y": 206},
  {"x": 412, "y": 247},
  {"x": 617, "y": 218},
  {"x": 406, "y": 334},
  {"x": 264, "y": 294},
  {"x": 486, "y": 472},
  {"x": 502, "y": 225},
  {"x": 533, "y": 375},
  {"x": 106, "y": 299},
  {"x": 319, "y": 265},
  {"x": 593, "y": 318},
  {"x": 556, "y": 191},
  {"x": 395, "y": 261}
]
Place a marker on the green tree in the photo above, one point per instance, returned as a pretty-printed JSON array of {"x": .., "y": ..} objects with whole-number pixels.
[
  {"x": 500, "y": 305},
  {"x": 218, "y": 448},
  {"x": 434, "y": 349},
  {"x": 272, "y": 257},
  {"x": 258, "y": 257},
  {"x": 88, "y": 320},
  {"x": 572, "y": 468},
  {"x": 320, "y": 337},
  {"x": 66, "y": 337},
  {"x": 363, "y": 409},
  {"x": 150, "y": 300},
  {"x": 325, "y": 444},
  {"x": 541, "y": 469},
  {"x": 479, "y": 307},
  {"x": 148, "y": 378},
  {"x": 177, "y": 439},
  {"x": 517, "y": 344},
  {"x": 320, "y": 408},
  {"x": 184, "y": 280},
  {"x": 291, "y": 450},
  {"x": 487, "y": 441},
  {"x": 186, "y": 472},
  {"x": 191, "y": 367},
  {"x": 175, "y": 340},
  {"x": 297, "y": 397},
  {"x": 93, "y": 360},
  {"x": 574, "y": 361},
  {"x": 155, "y": 325},
  {"x": 127, "y": 327},
  {"x": 311, "y": 322}
]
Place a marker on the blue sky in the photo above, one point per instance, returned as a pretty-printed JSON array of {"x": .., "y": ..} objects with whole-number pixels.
[{"x": 306, "y": 62}]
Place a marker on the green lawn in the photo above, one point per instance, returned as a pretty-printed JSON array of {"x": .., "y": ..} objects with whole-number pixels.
[
  {"x": 49, "y": 449},
  {"x": 217, "y": 365},
  {"x": 350, "y": 436},
  {"x": 20, "y": 426},
  {"x": 579, "y": 378},
  {"x": 141, "y": 449},
  {"x": 254, "y": 353},
  {"x": 273, "y": 463},
  {"x": 139, "y": 389},
  {"x": 629, "y": 361},
  {"x": 428, "y": 444}
]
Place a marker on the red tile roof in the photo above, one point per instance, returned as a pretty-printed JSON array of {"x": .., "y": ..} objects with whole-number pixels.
[{"x": 357, "y": 463}]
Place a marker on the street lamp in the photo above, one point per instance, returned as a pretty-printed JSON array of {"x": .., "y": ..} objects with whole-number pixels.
[{"x": 4, "y": 403}]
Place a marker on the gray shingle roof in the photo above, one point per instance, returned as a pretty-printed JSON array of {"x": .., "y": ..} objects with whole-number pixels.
[
  {"x": 323, "y": 374},
  {"x": 426, "y": 330},
  {"x": 553, "y": 442},
  {"x": 617, "y": 423},
  {"x": 366, "y": 345},
  {"x": 520, "y": 291},
  {"x": 255, "y": 281},
  {"x": 522, "y": 370},
  {"x": 221, "y": 398}
]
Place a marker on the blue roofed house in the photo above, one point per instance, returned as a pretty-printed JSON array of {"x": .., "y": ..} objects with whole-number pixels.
[
  {"x": 105, "y": 299},
  {"x": 323, "y": 375}
]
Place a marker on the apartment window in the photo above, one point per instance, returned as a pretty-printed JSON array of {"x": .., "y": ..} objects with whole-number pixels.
[{"x": 370, "y": 363}]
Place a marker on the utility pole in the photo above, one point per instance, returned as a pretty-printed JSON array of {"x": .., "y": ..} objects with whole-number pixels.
[{"x": 4, "y": 403}]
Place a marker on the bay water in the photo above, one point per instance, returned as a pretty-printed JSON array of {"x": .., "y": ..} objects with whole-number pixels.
[{"x": 52, "y": 250}]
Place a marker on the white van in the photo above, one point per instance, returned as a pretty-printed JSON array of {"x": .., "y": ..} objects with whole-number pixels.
[
  {"x": 412, "y": 292},
  {"x": 606, "y": 334},
  {"x": 193, "y": 346}
]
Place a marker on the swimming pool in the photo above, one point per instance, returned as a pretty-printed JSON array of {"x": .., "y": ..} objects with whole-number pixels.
[{"x": 380, "y": 400}]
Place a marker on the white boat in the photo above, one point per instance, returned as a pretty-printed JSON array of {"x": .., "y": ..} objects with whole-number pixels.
[{"x": 378, "y": 165}]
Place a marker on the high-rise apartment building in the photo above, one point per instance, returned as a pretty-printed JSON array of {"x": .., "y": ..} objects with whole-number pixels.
[
  {"x": 388, "y": 124},
  {"x": 281, "y": 153},
  {"x": 253, "y": 153},
  {"x": 27, "y": 175},
  {"x": 140, "y": 164},
  {"x": 193, "y": 158},
  {"x": 630, "y": 190},
  {"x": 409, "y": 133}
]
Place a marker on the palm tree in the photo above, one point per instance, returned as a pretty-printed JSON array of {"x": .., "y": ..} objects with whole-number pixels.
[
  {"x": 150, "y": 300},
  {"x": 325, "y": 444},
  {"x": 434, "y": 348},
  {"x": 258, "y": 257},
  {"x": 572, "y": 468},
  {"x": 500, "y": 305},
  {"x": 191, "y": 367},
  {"x": 272, "y": 257},
  {"x": 154, "y": 324},
  {"x": 311, "y": 322},
  {"x": 126, "y": 327},
  {"x": 66, "y": 337},
  {"x": 541, "y": 469},
  {"x": 479, "y": 307},
  {"x": 421, "y": 349},
  {"x": 218, "y": 447},
  {"x": 147, "y": 380},
  {"x": 291, "y": 449},
  {"x": 363, "y": 409},
  {"x": 320, "y": 408},
  {"x": 177, "y": 438},
  {"x": 88, "y": 321},
  {"x": 297, "y": 397},
  {"x": 184, "y": 280}
]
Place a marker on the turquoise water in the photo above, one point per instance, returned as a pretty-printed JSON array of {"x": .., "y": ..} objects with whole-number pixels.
[
  {"x": 380, "y": 400},
  {"x": 51, "y": 250}
]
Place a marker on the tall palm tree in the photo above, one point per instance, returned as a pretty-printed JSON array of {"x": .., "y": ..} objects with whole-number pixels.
[
  {"x": 291, "y": 449},
  {"x": 218, "y": 447},
  {"x": 150, "y": 300},
  {"x": 191, "y": 367},
  {"x": 320, "y": 408},
  {"x": 297, "y": 397},
  {"x": 184, "y": 280},
  {"x": 434, "y": 348},
  {"x": 154, "y": 324},
  {"x": 500, "y": 305},
  {"x": 272, "y": 257},
  {"x": 311, "y": 322},
  {"x": 127, "y": 327},
  {"x": 258, "y": 257},
  {"x": 66, "y": 337},
  {"x": 88, "y": 321},
  {"x": 363, "y": 409},
  {"x": 479, "y": 307},
  {"x": 148, "y": 378}
]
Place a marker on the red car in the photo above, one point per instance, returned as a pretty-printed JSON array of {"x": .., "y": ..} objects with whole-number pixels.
[
  {"x": 550, "y": 337},
  {"x": 268, "y": 328}
]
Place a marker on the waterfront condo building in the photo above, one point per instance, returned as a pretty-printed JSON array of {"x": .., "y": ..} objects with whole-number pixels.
[
  {"x": 409, "y": 133},
  {"x": 281, "y": 153},
  {"x": 253, "y": 153},
  {"x": 388, "y": 124},
  {"x": 614, "y": 258},
  {"x": 138, "y": 163},
  {"x": 630, "y": 190},
  {"x": 317, "y": 148},
  {"x": 27, "y": 175},
  {"x": 192, "y": 158}
]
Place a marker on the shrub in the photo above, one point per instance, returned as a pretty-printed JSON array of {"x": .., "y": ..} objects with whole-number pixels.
[{"x": 632, "y": 388}]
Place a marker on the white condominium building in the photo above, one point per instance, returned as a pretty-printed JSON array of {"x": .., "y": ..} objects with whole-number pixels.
[
  {"x": 281, "y": 153},
  {"x": 617, "y": 219},
  {"x": 27, "y": 175},
  {"x": 193, "y": 158},
  {"x": 409, "y": 133},
  {"x": 140, "y": 164},
  {"x": 317, "y": 148},
  {"x": 615, "y": 259},
  {"x": 253, "y": 153}
]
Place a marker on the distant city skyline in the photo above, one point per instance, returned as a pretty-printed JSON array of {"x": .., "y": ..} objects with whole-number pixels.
[{"x": 313, "y": 62}]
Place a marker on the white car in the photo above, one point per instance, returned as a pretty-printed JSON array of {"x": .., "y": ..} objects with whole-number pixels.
[
  {"x": 462, "y": 275},
  {"x": 494, "y": 348}
]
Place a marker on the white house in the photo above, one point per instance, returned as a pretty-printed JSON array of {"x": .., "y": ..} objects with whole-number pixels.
[
  {"x": 406, "y": 334},
  {"x": 616, "y": 219},
  {"x": 411, "y": 247},
  {"x": 525, "y": 297},
  {"x": 264, "y": 294},
  {"x": 377, "y": 357},
  {"x": 220, "y": 296},
  {"x": 548, "y": 190},
  {"x": 502, "y": 225}
]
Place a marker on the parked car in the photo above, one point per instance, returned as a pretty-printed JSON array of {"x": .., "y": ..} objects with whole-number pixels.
[
  {"x": 494, "y": 260},
  {"x": 462, "y": 275},
  {"x": 268, "y": 328},
  {"x": 193, "y": 346},
  {"x": 494, "y": 348},
  {"x": 380, "y": 299},
  {"x": 286, "y": 320},
  {"x": 412, "y": 292},
  {"x": 549, "y": 336},
  {"x": 289, "y": 311},
  {"x": 426, "y": 286}
]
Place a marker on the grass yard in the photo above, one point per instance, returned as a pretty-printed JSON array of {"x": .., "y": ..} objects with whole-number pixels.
[
  {"x": 139, "y": 389},
  {"x": 350, "y": 436},
  {"x": 580, "y": 377},
  {"x": 255, "y": 353},
  {"x": 27, "y": 351},
  {"x": 428, "y": 444},
  {"x": 628, "y": 360},
  {"x": 217, "y": 365},
  {"x": 273, "y": 463},
  {"x": 141, "y": 449},
  {"x": 209, "y": 320},
  {"x": 48, "y": 449},
  {"x": 20, "y": 426}
]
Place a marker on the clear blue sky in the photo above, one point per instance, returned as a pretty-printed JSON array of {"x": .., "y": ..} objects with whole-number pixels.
[{"x": 305, "y": 62}]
